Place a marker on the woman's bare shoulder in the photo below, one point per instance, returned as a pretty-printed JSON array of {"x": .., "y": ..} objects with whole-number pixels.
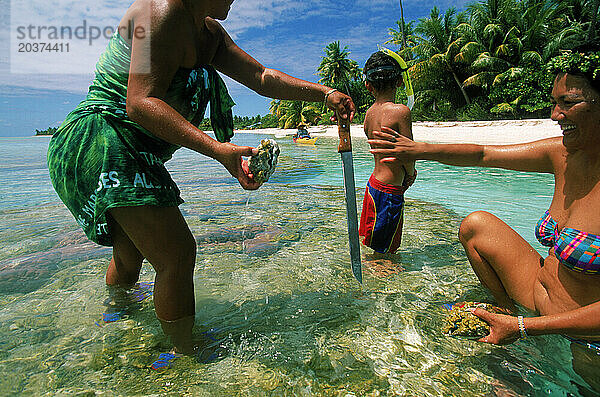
[
  {"x": 213, "y": 25},
  {"x": 156, "y": 10},
  {"x": 552, "y": 145}
]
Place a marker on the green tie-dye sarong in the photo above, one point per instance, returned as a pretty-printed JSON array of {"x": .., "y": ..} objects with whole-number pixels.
[{"x": 100, "y": 159}]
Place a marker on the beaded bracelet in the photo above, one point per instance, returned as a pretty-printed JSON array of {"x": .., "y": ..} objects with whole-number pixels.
[
  {"x": 522, "y": 327},
  {"x": 329, "y": 93}
]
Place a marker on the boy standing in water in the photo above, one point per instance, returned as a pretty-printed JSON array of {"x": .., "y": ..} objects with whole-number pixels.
[{"x": 383, "y": 205}]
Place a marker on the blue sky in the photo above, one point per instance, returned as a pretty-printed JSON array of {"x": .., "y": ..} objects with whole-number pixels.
[{"x": 288, "y": 35}]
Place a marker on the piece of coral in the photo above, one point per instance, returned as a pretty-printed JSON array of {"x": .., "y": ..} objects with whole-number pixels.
[
  {"x": 263, "y": 164},
  {"x": 461, "y": 322}
]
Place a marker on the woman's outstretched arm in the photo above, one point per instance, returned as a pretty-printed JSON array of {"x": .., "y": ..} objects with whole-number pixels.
[
  {"x": 534, "y": 156},
  {"x": 240, "y": 66}
]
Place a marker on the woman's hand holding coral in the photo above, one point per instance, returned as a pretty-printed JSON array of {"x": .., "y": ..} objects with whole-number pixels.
[
  {"x": 504, "y": 329},
  {"x": 232, "y": 160}
]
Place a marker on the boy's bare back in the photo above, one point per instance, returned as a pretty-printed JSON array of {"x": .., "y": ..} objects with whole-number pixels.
[{"x": 396, "y": 117}]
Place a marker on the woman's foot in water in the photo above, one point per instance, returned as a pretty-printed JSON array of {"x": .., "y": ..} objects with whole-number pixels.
[
  {"x": 206, "y": 348},
  {"x": 122, "y": 301}
]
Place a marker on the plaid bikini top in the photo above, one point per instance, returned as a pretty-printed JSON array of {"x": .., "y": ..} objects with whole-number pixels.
[{"x": 577, "y": 250}]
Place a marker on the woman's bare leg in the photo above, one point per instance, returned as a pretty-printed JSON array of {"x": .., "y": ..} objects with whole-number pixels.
[
  {"x": 161, "y": 235},
  {"x": 502, "y": 260},
  {"x": 126, "y": 262}
]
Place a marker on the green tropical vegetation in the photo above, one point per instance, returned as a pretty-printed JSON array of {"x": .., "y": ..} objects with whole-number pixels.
[
  {"x": 486, "y": 62},
  {"x": 47, "y": 131}
]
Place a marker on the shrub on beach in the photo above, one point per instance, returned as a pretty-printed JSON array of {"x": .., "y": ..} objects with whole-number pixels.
[{"x": 524, "y": 97}]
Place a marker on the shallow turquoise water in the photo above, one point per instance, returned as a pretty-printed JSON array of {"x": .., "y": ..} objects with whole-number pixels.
[{"x": 273, "y": 278}]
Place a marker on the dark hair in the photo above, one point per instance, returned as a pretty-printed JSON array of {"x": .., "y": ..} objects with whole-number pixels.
[{"x": 382, "y": 71}]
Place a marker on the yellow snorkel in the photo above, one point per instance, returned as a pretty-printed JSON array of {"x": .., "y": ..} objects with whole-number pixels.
[{"x": 405, "y": 76}]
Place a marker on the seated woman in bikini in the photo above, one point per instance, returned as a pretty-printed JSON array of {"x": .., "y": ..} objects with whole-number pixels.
[{"x": 564, "y": 287}]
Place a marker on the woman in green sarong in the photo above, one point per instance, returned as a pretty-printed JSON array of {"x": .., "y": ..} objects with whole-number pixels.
[{"x": 150, "y": 91}]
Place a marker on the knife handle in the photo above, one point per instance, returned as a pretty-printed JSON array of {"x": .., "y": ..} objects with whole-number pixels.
[{"x": 344, "y": 134}]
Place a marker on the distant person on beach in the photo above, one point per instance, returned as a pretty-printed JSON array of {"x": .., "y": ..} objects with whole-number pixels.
[
  {"x": 383, "y": 204},
  {"x": 150, "y": 91},
  {"x": 302, "y": 132},
  {"x": 563, "y": 288}
]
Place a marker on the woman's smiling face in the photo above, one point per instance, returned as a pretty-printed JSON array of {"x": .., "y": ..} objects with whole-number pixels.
[{"x": 576, "y": 108}]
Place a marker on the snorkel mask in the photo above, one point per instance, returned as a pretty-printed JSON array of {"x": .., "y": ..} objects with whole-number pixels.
[{"x": 405, "y": 76}]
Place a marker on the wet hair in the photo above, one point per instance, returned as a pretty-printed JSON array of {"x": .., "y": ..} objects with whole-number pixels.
[{"x": 382, "y": 71}]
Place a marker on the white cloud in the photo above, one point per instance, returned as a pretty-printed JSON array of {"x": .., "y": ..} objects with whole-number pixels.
[
  {"x": 248, "y": 14},
  {"x": 76, "y": 32}
]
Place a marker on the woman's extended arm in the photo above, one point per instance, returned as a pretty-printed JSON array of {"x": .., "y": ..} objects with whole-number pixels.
[
  {"x": 533, "y": 156},
  {"x": 240, "y": 66},
  {"x": 505, "y": 329}
]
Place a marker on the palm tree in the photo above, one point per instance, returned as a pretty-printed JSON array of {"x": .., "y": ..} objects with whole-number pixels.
[
  {"x": 402, "y": 25},
  {"x": 292, "y": 113},
  {"x": 530, "y": 32},
  {"x": 405, "y": 40},
  {"x": 508, "y": 41},
  {"x": 336, "y": 69},
  {"x": 275, "y": 107},
  {"x": 436, "y": 49},
  {"x": 583, "y": 15}
]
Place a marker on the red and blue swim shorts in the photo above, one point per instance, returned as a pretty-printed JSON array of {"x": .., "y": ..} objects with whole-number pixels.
[{"x": 382, "y": 216}]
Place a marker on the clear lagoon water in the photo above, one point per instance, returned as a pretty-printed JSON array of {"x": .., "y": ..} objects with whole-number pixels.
[{"x": 273, "y": 279}]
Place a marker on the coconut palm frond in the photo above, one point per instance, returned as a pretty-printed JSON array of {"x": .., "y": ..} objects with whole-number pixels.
[
  {"x": 514, "y": 73},
  {"x": 516, "y": 102},
  {"x": 490, "y": 63},
  {"x": 419, "y": 69},
  {"x": 466, "y": 30},
  {"x": 482, "y": 80},
  {"x": 274, "y": 107},
  {"x": 566, "y": 38},
  {"x": 510, "y": 74},
  {"x": 531, "y": 58},
  {"x": 454, "y": 48},
  {"x": 512, "y": 33},
  {"x": 499, "y": 79},
  {"x": 503, "y": 50},
  {"x": 438, "y": 60},
  {"x": 492, "y": 32}
]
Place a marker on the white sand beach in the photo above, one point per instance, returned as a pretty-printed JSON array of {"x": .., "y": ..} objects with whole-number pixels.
[{"x": 481, "y": 132}]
